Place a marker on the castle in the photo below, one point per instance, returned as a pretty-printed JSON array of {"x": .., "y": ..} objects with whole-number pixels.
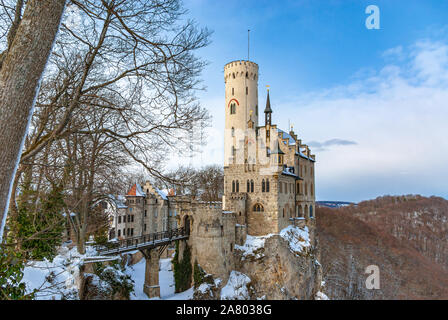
[
  {"x": 269, "y": 185},
  {"x": 268, "y": 173}
]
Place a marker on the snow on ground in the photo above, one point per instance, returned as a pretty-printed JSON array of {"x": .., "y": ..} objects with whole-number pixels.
[
  {"x": 297, "y": 238},
  {"x": 253, "y": 245},
  {"x": 58, "y": 279},
  {"x": 166, "y": 282},
  {"x": 236, "y": 287},
  {"x": 321, "y": 296}
]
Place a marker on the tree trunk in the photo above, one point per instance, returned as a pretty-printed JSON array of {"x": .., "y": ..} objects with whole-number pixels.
[{"x": 20, "y": 76}]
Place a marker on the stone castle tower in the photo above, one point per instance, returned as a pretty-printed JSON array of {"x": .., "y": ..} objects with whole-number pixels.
[
  {"x": 241, "y": 78},
  {"x": 268, "y": 173}
]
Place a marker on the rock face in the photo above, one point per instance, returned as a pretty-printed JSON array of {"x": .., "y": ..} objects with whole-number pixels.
[
  {"x": 406, "y": 237},
  {"x": 278, "y": 273}
]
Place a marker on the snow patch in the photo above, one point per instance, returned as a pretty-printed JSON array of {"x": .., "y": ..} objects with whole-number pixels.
[
  {"x": 252, "y": 246},
  {"x": 166, "y": 282},
  {"x": 59, "y": 279},
  {"x": 297, "y": 238},
  {"x": 321, "y": 296},
  {"x": 236, "y": 287}
]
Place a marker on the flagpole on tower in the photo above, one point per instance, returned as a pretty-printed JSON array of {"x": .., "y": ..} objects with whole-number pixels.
[{"x": 248, "y": 45}]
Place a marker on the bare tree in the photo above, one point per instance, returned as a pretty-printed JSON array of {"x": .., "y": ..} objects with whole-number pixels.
[
  {"x": 30, "y": 41},
  {"x": 118, "y": 89}
]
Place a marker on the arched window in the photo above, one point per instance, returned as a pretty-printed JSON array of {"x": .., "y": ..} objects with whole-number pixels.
[
  {"x": 237, "y": 186},
  {"x": 283, "y": 212},
  {"x": 311, "y": 212},
  {"x": 233, "y": 75},
  {"x": 263, "y": 186},
  {"x": 248, "y": 186},
  {"x": 267, "y": 185},
  {"x": 258, "y": 208},
  {"x": 252, "y": 186},
  {"x": 233, "y": 186},
  {"x": 233, "y": 108}
]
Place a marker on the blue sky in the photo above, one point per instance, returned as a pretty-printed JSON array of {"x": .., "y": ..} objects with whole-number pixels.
[{"x": 386, "y": 90}]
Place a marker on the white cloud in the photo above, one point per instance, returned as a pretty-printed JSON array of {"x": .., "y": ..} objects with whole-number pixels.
[{"x": 398, "y": 117}]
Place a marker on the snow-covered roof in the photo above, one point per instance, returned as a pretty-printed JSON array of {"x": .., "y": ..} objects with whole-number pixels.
[
  {"x": 289, "y": 172},
  {"x": 163, "y": 193},
  {"x": 285, "y": 135},
  {"x": 136, "y": 191},
  {"x": 119, "y": 201}
]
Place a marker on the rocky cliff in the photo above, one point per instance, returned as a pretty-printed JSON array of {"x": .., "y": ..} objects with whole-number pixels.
[{"x": 283, "y": 266}]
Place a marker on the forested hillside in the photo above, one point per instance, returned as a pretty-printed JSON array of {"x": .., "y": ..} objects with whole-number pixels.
[{"x": 406, "y": 237}]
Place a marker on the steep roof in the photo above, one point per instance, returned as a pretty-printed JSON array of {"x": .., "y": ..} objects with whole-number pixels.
[
  {"x": 277, "y": 150},
  {"x": 136, "y": 191},
  {"x": 268, "y": 105}
]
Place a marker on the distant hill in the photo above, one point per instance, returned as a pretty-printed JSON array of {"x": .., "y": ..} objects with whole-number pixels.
[
  {"x": 333, "y": 204},
  {"x": 406, "y": 237}
]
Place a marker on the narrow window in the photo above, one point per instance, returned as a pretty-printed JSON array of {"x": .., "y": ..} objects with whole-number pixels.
[
  {"x": 119, "y": 233},
  {"x": 252, "y": 186},
  {"x": 237, "y": 186},
  {"x": 233, "y": 186},
  {"x": 248, "y": 186},
  {"x": 233, "y": 91},
  {"x": 119, "y": 219},
  {"x": 233, "y": 132},
  {"x": 247, "y": 90},
  {"x": 267, "y": 185},
  {"x": 263, "y": 186}
]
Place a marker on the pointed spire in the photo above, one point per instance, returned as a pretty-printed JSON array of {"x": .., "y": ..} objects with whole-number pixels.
[
  {"x": 268, "y": 105},
  {"x": 268, "y": 111}
]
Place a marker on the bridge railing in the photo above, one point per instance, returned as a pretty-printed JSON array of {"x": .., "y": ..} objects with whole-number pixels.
[{"x": 148, "y": 239}]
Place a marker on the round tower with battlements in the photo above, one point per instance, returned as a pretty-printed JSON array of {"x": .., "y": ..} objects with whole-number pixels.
[{"x": 241, "y": 109}]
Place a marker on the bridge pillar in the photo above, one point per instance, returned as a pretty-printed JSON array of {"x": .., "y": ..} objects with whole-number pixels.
[{"x": 151, "y": 286}]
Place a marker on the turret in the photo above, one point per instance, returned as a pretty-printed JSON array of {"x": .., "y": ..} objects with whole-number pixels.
[
  {"x": 241, "y": 109},
  {"x": 268, "y": 112}
]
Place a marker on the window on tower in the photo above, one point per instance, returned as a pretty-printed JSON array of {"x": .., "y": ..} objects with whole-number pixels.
[
  {"x": 233, "y": 132},
  {"x": 233, "y": 108}
]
